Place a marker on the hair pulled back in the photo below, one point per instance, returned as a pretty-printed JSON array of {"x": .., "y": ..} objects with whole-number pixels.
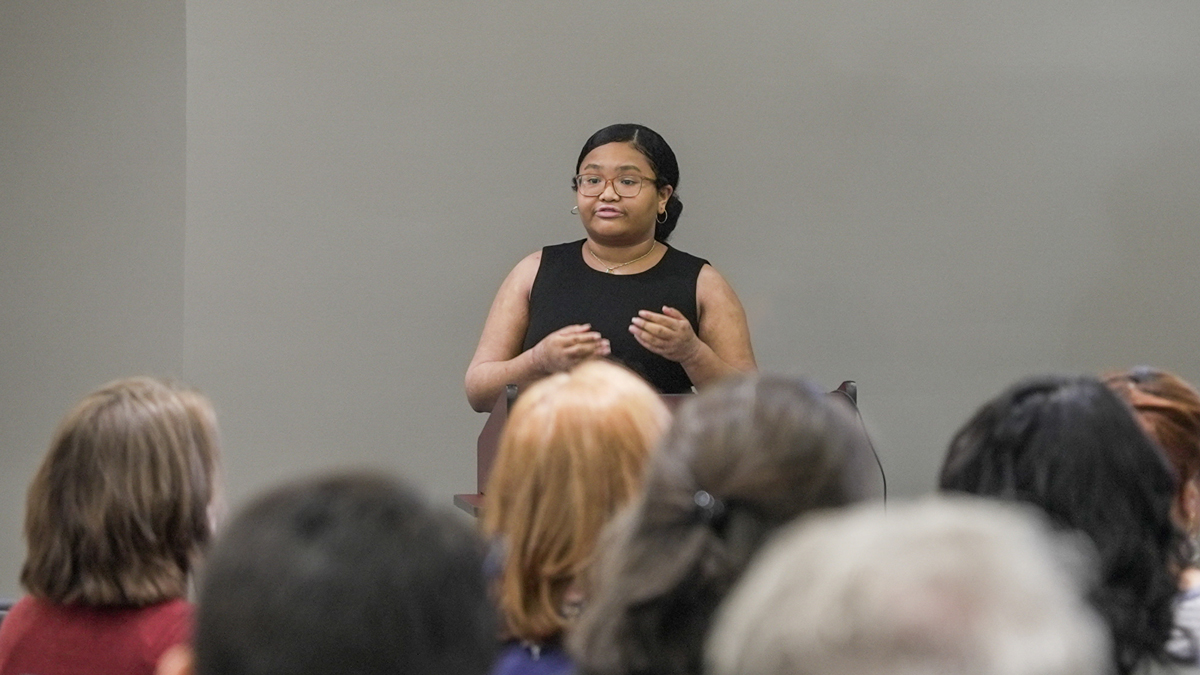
[
  {"x": 661, "y": 157},
  {"x": 741, "y": 459}
]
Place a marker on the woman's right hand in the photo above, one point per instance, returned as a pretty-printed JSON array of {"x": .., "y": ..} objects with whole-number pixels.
[
  {"x": 501, "y": 357},
  {"x": 567, "y": 347}
]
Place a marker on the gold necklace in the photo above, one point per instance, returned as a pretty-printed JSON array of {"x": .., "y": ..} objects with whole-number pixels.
[{"x": 609, "y": 267}]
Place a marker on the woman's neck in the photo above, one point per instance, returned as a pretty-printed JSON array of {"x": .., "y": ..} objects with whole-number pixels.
[
  {"x": 617, "y": 253},
  {"x": 1189, "y": 579}
]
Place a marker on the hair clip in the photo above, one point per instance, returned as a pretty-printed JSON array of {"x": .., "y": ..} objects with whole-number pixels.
[
  {"x": 1142, "y": 374},
  {"x": 709, "y": 507}
]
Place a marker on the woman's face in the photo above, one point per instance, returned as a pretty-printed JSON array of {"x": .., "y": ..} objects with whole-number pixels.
[{"x": 609, "y": 218}]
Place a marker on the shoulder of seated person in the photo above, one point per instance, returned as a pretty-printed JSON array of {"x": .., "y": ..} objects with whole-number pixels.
[{"x": 1154, "y": 667}]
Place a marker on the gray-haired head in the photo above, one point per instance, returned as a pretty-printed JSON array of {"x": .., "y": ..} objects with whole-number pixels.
[{"x": 941, "y": 586}]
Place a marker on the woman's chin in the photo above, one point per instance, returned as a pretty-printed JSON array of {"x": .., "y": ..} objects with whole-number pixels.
[{"x": 614, "y": 234}]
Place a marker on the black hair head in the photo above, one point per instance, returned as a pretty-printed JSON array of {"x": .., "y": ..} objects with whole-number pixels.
[
  {"x": 351, "y": 574},
  {"x": 662, "y": 160},
  {"x": 1071, "y": 447}
]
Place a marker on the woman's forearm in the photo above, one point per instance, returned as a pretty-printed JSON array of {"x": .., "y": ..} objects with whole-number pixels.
[
  {"x": 705, "y": 366},
  {"x": 486, "y": 381}
]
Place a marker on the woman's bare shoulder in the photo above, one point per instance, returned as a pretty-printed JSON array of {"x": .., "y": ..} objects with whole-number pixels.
[
  {"x": 520, "y": 279},
  {"x": 711, "y": 286}
]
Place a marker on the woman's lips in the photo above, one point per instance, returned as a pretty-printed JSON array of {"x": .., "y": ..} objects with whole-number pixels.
[{"x": 608, "y": 212}]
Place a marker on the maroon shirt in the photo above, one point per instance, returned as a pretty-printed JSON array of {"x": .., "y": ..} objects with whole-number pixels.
[{"x": 39, "y": 637}]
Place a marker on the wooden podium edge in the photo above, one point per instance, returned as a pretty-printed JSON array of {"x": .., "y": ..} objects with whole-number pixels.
[
  {"x": 471, "y": 504},
  {"x": 489, "y": 439}
]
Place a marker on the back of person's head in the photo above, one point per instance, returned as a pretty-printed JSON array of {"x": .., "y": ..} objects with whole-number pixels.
[
  {"x": 1071, "y": 447},
  {"x": 119, "y": 511},
  {"x": 573, "y": 451},
  {"x": 742, "y": 458},
  {"x": 1169, "y": 410},
  {"x": 941, "y": 586},
  {"x": 344, "y": 574}
]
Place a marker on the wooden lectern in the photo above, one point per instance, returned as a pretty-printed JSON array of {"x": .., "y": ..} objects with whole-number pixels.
[
  {"x": 489, "y": 442},
  {"x": 489, "y": 438}
]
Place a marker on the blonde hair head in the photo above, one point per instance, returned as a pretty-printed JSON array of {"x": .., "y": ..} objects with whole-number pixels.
[{"x": 571, "y": 454}]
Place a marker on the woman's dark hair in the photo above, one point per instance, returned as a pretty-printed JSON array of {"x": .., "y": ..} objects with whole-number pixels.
[
  {"x": 661, "y": 158},
  {"x": 741, "y": 459},
  {"x": 1071, "y": 447},
  {"x": 349, "y": 573}
]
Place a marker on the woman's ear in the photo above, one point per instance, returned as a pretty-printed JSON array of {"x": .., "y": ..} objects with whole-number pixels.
[
  {"x": 664, "y": 194},
  {"x": 177, "y": 660}
]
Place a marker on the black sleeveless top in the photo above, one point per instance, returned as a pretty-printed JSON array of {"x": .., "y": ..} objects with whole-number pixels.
[{"x": 566, "y": 291}]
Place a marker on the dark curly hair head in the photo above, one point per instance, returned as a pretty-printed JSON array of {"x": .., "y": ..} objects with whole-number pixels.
[{"x": 1071, "y": 447}]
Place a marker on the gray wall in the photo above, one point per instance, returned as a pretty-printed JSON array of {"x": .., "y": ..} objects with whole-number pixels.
[
  {"x": 930, "y": 198},
  {"x": 92, "y": 143}
]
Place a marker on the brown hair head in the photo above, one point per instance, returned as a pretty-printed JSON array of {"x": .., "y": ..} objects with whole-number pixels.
[
  {"x": 742, "y": 458},
  {"x": 1169, "y": 411},
  {"x": 119, "y": 509},
  {"x": 571, "y": 454}
]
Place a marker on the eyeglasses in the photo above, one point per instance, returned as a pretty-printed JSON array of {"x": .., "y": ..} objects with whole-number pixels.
[{"x": 593, "y": 185}]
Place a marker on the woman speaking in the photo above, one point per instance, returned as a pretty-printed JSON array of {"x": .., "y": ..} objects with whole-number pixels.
[{"x": 622, "y": 292}]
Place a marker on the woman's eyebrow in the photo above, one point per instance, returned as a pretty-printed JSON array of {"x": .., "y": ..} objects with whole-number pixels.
[{"x": 626, "y": 167}]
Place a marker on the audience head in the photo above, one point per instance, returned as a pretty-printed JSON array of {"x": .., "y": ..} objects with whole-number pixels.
[
  {"x": 572, "y": 452},
  {"x": 1073, "y": 448},
  {"x": 742, "y": 458},
  {"x": 662, "y": 161},
  {"x": 345, "y": 574},
  {"x": 1169, "y": 411},
  {"x": 941, "y": 586},
  {"x": 119, "y": 511}
]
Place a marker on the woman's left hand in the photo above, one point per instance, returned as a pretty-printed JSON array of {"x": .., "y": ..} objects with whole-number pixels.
[{"x": 668, "y": 334}]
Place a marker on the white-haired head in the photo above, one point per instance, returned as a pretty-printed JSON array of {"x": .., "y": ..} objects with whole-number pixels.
[{"x": 948, "y": 585}]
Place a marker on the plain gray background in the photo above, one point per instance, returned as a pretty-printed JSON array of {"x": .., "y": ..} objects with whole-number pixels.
[{"x": 304, "y": 208}]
